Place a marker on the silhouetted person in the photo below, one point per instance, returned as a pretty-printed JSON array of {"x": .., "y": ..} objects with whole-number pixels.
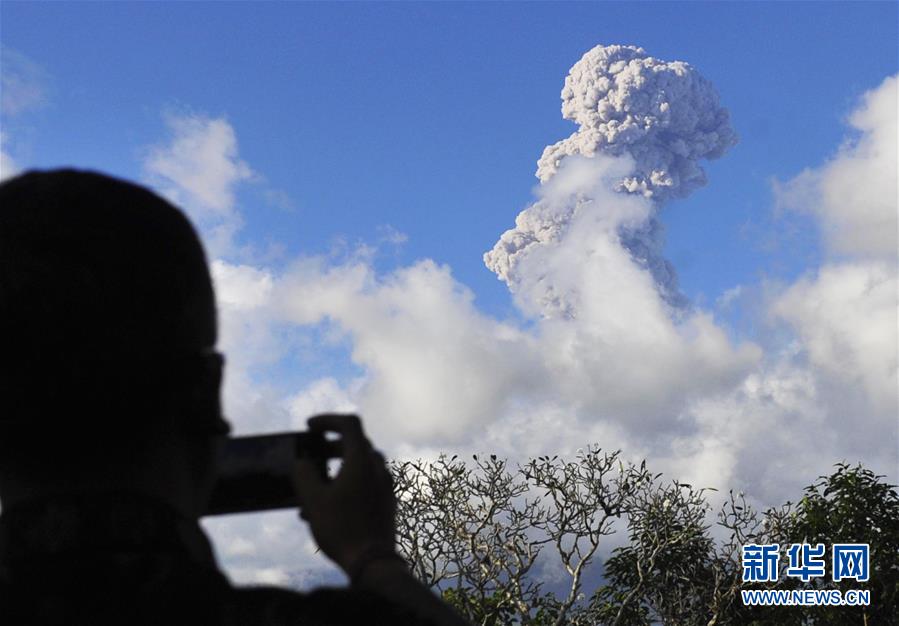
[{"x": 110, "y": 422}]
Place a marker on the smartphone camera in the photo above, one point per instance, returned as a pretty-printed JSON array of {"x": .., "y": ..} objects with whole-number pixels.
[{"x": 255, "y": 473}]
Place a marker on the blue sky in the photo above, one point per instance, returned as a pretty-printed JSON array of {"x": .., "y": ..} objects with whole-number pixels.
[
  {"x": 427, "y": 116},
  {"x": 350, "y": 164}
]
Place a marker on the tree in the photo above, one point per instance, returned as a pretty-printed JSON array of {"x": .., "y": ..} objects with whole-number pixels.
[
  {"x": 853, "y": 505},
  {"x": 475, "y": 533},
  {"x": 664, "y": 573}
]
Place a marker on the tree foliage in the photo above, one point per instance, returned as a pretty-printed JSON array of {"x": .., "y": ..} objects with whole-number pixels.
[{"x": 519, "y": 545}]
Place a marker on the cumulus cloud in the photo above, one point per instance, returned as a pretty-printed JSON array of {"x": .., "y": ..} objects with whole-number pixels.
[
  {"x": 247, "y": 337},
  {"x": 663, "y": 117},
  {"x": 241, "y": 287},
  {"x": 607, "y": 354},
  {"x": 854, "y": 193},
  {"x": 831, "y": 391},
  {"x": 435, "y": 367},
  {"x": 845, "y": 317},
  {"x": 198, "y": 168},
  {"x": 845, "y": 314},
  {"x": 438, "y": 373},
  {"x": 768, "y": 435},
  {"x": 323, "y": 395},
  {"x": 608, "y": 351}
]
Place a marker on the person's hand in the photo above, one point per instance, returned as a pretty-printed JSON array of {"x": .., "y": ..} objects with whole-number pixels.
[{"x": 352, "y": 516}]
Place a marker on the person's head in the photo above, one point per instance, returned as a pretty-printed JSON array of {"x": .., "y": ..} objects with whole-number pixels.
[{"x": 107, "y": 330}]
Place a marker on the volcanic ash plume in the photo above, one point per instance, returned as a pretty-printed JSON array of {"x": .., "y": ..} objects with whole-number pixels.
[{"x": 662, "y": 115}]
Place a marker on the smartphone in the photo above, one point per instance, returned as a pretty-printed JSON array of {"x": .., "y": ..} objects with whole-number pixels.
[{"x": 254, "y": 473}]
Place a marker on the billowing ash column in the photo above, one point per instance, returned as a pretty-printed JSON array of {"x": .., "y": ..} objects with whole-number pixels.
[{"x": 661, "y": 115}]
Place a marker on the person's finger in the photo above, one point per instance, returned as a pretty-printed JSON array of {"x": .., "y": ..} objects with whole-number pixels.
[
  {"x": 348, "y": 426},
  {"x": 382, "y": 471},
  {"x": 381, "y": 463},
  {"x": 308, "y": 480}
]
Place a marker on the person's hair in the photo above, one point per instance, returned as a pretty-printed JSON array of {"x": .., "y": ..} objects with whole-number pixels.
[{"x": 107, "y": 313}]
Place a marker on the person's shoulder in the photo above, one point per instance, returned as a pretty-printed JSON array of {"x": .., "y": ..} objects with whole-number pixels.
[{"x": 325, "y": 606}]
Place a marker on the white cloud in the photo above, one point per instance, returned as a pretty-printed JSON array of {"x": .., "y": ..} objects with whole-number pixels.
[
  {"x": 620, "y": 367},
  {"x": 831, "y": 391},
  {"x": 438, "y": 372},
  {"x": 603, "y": 357},
  {"x": 23, "y": 88},
  {"x": 24, "y": 83},
  {"x": 389, "y": 234},
  {"x": 435, "y": 366},
  {"x": 198, "y": 169},
  {"x": 845, "y": 315},
  {"x": 323, "y": 395},
  {"x": 768, "y": 436},
  {"x": 8, "y": 166},
  {"x": 241, "y": 287},
  {"x": 854, "y": 194},
  {"x": 726, "y": 299},
  {"x": 252, "y": 341},
  {"x": 846, "y": 319}
]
